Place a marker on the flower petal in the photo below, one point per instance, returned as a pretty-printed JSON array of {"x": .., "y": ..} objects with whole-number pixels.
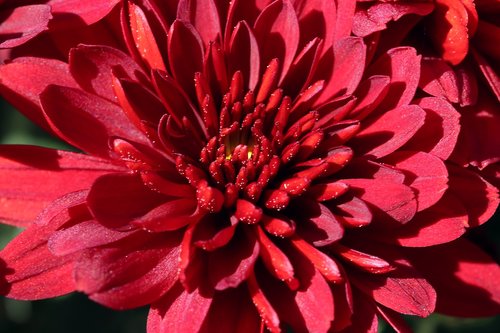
[
  {"x": 93, "y": 66},
  {"x": 179, "y": 311},
  {"x": 277, "y": 32},
  {"x": 389, "y": 132},
  {"x": 203, "y": 15},
  {"x": 22, "y": 23},
  {"x": 125, "y": 275},
  {"x": 25, "y": 168},
  {"x": 18, "y": 87},
  {"x": 461, "y": 266},
  {"x": 88, "y": 121},
  {"x": 385, "y": 198}
]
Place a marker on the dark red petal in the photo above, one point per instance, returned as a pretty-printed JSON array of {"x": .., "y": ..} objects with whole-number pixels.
[
  {"x": 479, "y": 141},
  {"x": 426, "y": 174},
  {"x": 231, "y": 265},
  {"x": 390, "y": 131},
  {"x": 364, "y": 318},
  {"x": 29, "y": 269},
  {"x": 88, "y": 121},
  {"x": 370, "y": 94},
  {"x": 385, "y": 197},
  {"x": 402, "y": 65},
  {"x": 465, "y": 278},
  {"x": 443, "y": 222},
  {"x": 70, "y": 240},
  {"x": 32, "y": 177},
  {"x": 318, "y": 225},
  {"x": 265, "y": 309},
  {"x": 439, "y": 133},
  {"x": 89, "y": 11},
  {"x": 22, "y": 23},
  {"x": 185, "y": 54},
  {"x": 116, "y": 200},
  {"x": 277, "y": 32},
  {"x": 311, "y": 307},
  {"x": 348, "y": 67},
  {"x": 365, "y": 261},
  {"x": 125, "y": 274},
  {"x": 232, "y": 311},
  {"x": 93, "y": 67},
  {"x": 489, "y": 73},
  {"x": 345, "y": 14},
  {"x": 179, "y": 311},
  {"x": 352, "y": 212},
  {"x": 144, "y": 38},
  {"x": 479, "y": 197},
  {"x": 19, "y": 88},
  {"x": 316, "y": 19},
  {"x": 394, "y": 319},
  {"x": 403, "y": 290},
  {"x": 203, "y": 15},
  {"x": 439, "y": 79},
  {"x": 450, "y": 33},
  {"x": 244, "y": 54}
]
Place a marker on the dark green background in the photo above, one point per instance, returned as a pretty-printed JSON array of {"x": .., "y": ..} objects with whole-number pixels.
[{"x": 76, "y": 314}]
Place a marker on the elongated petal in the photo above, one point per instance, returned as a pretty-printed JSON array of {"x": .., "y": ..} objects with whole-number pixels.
[
  {"x": 29, "y": 269},
  {"x": 24, "y": 169},
  {"x": 89, "y": 11},
  {"x": 179, "y": 311},
  {"x": 463, "y": 266},
  {"x": 203, "y": 15},
  {"x": 426, "y": 174},
  {"x": 391, "y": 199},
  {"x": 277, "y": 32},
  {"x": 87, "y": 121},
  {"x": 390, "y": 131},
  {"x": 23, "y": 92},
  {"x": 93, "y": 67},
  {"x": 244, "y": 54},
  {"x": 125, "y": 275},
  {"x": 22, "y": 24}
]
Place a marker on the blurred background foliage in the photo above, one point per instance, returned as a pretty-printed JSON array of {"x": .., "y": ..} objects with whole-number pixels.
[{"x": 76, "y": 314}]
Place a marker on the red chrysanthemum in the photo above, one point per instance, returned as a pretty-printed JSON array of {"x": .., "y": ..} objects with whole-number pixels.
[{"x": 249, "y": 166}]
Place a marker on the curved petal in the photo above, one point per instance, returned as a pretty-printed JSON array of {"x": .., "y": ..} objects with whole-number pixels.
[
  {"x": 19, "y": 88},
  {"x": 203, "y": 15},
  {"x": 22, "y": 23},
  {"x": 125, "y": 275},
  {"x": 87, "y": 121},
  {"x": 179, "y": 311},
  {"x": 461, "y": 266},
  {"x": 32, "y": 177}
]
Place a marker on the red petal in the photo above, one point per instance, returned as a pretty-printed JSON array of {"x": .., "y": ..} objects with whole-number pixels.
[
  {"x": 70, "y": 240},
  {"x": 236, "y": 310},
  {"x": 203, "y": 15},
  {"x": 441, "y": 223},
  {"x": 244, "y": 54},
  {"x": 403, "y": 290},
  {"x": 438, "y": 79},
  {"x": 479, "y": 197},
  {"x": 25, "y": 168},
  {"x": 370, "y": 94},
  {"x": 30, "y": 270},
  {"x": 450, "y": 34},
  {"x": 316, "y": 19},
  {"x": 125, "y": 274},
  {"x": 231, "y": 265},
  {"x": 116, "y": 200},
  {"x": 185, "y": 54},
  {"x": 88, "y": 121},
  {"x": 179, "y": 311},
  {"x": 317, "y": 224},
  {"x": 89, "y": 11},
  {"x": 390, "y": 131},
  {"x": 19, "y": 88},
  {"x": 348, "y": 67},
  {"x": 402, "y": 65},
  {"x": 395, "y": 200},
  {"x": 277, "y": 32},
  {"x": 426, "y": 174},
  {"x": 93, "y": 68},
  {"x": 144, "y": 38},
  {"x": 465, "y": 278},
  {"x": 345, "y": 14},
  {"x": 22, "y": 23},
  {"x": 439, "y": 133}
]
